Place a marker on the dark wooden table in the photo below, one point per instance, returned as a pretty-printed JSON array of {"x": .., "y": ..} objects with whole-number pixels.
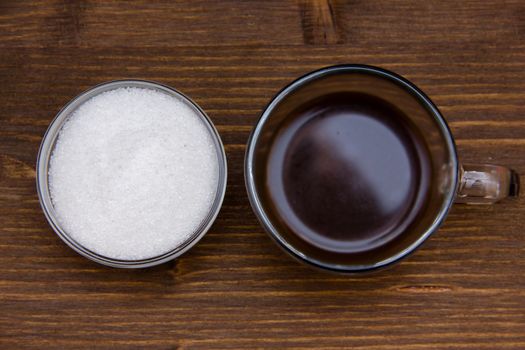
[{"x": 463, "y": 290}]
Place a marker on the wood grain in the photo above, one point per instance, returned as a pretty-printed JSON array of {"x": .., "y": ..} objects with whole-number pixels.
[{"x": 463, "y": 290}]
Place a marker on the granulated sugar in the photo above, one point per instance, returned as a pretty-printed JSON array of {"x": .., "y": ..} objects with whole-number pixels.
[{"x": 133, "y": 174}]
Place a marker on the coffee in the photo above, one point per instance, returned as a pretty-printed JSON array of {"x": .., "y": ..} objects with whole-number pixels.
[
  {"x": 351, "y": 168},
  {"x": 347, "y": 172}
]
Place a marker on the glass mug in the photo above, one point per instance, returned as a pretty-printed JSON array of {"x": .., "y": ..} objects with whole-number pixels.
[{"x": 351, "y": 168}]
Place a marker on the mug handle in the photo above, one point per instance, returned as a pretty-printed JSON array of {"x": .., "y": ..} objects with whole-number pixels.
[{"x": 486, "y": 184}]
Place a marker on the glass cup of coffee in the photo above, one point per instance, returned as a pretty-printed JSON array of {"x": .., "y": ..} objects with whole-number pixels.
[{"x": 351, "y": 168}]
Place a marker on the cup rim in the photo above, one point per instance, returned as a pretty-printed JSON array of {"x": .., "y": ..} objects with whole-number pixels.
[
  {"x": 46, "y": 148},
  {"x": 263, "y": 217}
]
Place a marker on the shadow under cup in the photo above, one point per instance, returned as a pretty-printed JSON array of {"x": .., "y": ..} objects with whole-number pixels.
[{"x": 433, "y": 189}]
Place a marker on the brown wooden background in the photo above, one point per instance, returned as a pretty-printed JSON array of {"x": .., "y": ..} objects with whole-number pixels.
[{"x": 463, "y": 290}]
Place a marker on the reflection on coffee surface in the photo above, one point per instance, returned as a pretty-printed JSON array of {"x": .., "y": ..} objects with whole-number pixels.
[{"x": 345, "y": 172}]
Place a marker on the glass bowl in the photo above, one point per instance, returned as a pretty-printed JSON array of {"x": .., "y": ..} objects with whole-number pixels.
[{"x": 48, "y": 144}]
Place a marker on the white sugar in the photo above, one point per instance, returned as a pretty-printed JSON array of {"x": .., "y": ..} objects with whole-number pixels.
[{"x": 133, "y": 174}]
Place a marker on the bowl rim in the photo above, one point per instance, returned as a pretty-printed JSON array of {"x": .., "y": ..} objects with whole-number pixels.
[{"x": 46, "y": 149}]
